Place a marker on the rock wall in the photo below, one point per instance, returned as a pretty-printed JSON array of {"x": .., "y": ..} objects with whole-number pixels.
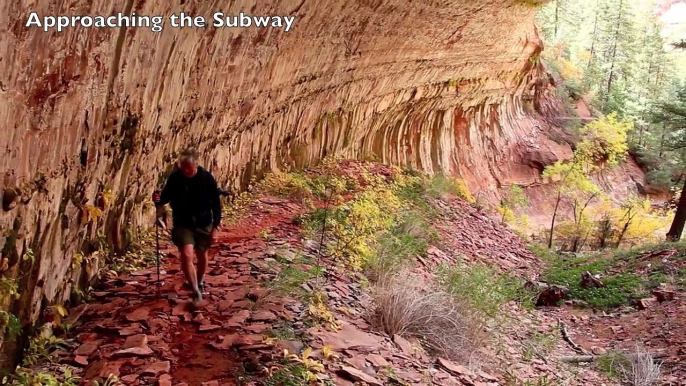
[{"x": 94, "y": 117}]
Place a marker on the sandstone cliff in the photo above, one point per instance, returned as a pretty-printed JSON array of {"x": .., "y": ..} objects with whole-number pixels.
[{"x": 88, "y": 114}]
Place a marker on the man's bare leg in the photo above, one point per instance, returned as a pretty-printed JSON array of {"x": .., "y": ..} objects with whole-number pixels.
[
  {"x": 202, "y": 264},
  {"x": 189, "y": 270}
]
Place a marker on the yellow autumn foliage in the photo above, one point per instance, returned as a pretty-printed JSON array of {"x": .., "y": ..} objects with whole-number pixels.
[
  {"x": 90, "y": 214},
  {"x": 319, "y": 311},
  {"x": 632, "y": 223},
  {"x": 568, "y": 70}
]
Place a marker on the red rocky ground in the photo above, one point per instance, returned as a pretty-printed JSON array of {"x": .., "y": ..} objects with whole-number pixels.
[
  {"x": 128, "y": 332},
  {"x": 656, "y": 322}
]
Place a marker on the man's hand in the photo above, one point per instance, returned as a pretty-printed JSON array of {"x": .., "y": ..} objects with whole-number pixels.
[
  {"x": 156, "y": 196},
  {"x": 213, "y": 235}
]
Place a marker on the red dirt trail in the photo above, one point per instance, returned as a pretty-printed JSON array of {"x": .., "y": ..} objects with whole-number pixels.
[{"x": 233, "y": 314}]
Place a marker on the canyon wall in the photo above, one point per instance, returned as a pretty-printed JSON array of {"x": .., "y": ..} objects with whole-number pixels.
[{"x": 93, "y": 117}]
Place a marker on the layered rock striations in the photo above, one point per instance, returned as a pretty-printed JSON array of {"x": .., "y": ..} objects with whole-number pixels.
[{"x": 93, "y": 117}]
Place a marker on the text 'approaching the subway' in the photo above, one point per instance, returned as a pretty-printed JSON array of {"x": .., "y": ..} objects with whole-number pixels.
[{"x": 156, "y": 23}]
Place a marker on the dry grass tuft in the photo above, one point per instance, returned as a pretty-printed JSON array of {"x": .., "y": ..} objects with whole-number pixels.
[
  {"x": 639, "y": 368},
  {"x": 636, "y": 369},
  {"x": 435, "y": 317}
]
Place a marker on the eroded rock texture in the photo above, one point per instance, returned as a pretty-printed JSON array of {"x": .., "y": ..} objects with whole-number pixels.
[{"x": 447, "y": 86}]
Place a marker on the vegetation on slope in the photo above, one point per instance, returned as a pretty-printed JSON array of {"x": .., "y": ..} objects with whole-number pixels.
[
  {"x": 615, "y": 55},
  {"x": 376, "y": 220}
]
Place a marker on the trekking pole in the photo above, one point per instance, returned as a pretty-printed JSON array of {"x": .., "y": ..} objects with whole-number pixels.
[
  {"x": 157, "y": 254},
  {"x": 157, "y": 247}
]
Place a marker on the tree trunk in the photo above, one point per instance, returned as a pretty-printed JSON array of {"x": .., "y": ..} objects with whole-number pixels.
[
  {"x": 577, "y": 245},
  {"x": 595, "y": 29},
  {"x": 677, "y": 227},
  {"x": 625, "y": 228},
  {"x": 662, "y": 140},
  {"x": 614, "y": 53},
  {"x": 552, "y": 223}
]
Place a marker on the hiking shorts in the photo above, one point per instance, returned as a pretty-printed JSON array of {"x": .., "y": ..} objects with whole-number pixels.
[{"x": 198, "y": 237}]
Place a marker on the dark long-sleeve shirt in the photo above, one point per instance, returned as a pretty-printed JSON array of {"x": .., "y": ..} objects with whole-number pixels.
[{"x": 194, "y": 201}]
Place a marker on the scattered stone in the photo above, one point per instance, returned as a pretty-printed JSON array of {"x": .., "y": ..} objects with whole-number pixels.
[
  {"x": 180, "y": 309},
  {"x": 131, "y": 330},
  {"x": 157, "y": 368},
  {"x": 598, "y": 350},
  {"x": 131, "y": 378},
  {"x": 440, "y": 377},
  {"x": 576, "y": 303},
  {"x": 286, "y": 254},
  {"x": 548, "y": 294},
  {"x": 238, "y": 319},
  {"x": 226, "y": 343},
  {"x": 209, "y": 327},
  {"x": 455, "y": 369},
  {"x": 81, "y": 360},
  {"x": 136, "y": 341},
  {"x": 411, "y": 376},
  {"x": 664, "y": 295},
  {"x": 258, "y": 328},
  {"x": 138, "y": 315},
  {"x": 134, "y": 351},
  {"x": 253, "y": 347},
  {"x": 590, "y": 281},
  {"x": 103, "y": 368},
  {"x": 360, "y": 376},
  {"x": 87, "y": 337},
  {"x": 88, "y": 348},
  {"x": 403, "y": 344},
  {"x": 346, "y": 338},
  {"x": 247, "y": 340},
  {"x": 243, "y": 304},
  {"x": 75, "y": 314},
  {"x": 378, "y": 361},
  {"x": 256, "y": 294},
  {"x": 643, "y": 304},
  {"x": 293, "y": 347},
  {"x": 224, "y": 305},
  {"x": 357, "y": 362},
  {"x": 165, "y": 380},
  {"x": 210, "y": 383},
  {"x": 263, "y": 316}
]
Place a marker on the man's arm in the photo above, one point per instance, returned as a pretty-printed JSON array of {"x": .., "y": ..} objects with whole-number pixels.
[
  {"x": 216, "y": 203},
  {"x": 167, "y": 191}
]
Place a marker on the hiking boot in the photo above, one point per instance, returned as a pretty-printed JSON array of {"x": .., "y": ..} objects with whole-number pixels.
[{"x": 197, "y": 299}]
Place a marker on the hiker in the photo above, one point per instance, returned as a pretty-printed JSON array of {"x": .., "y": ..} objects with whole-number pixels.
[{"x": 193, "y": 195}]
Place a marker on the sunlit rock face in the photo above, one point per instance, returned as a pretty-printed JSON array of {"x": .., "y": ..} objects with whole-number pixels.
[{"x": 444, "y": 86}]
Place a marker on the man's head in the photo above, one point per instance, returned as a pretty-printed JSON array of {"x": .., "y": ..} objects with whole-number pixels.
[{"x": 188, "y": 163}]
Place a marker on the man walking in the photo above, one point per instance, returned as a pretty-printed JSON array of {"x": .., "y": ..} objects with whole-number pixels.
[{"x": 193, "y": 195}]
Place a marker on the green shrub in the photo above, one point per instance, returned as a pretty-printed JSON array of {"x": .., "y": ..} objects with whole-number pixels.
[
  {"x": 483, "y": 288},
  {"x": 442, "y": 186},
  {"x": 399, "y": 247},
  {"x": 620, "y": 288},
  {"x": 291, "y": 278}
]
